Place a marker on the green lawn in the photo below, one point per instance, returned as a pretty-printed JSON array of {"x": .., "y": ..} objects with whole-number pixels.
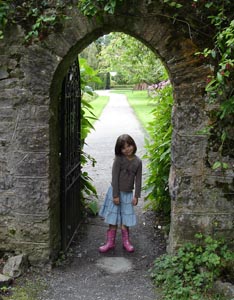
[
  {"x": 138, "y": 100},
  {"x": 140, "y": 103}
]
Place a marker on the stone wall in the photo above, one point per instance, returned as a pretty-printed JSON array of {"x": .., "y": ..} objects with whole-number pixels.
[
  {"x": 30, "y": 83},
  {"x": 25, "y": 217}
]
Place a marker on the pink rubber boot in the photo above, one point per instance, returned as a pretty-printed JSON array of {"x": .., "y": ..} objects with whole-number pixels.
[
  {"x": 110, "y": 241},
  {"x": 125, "y": 239}
]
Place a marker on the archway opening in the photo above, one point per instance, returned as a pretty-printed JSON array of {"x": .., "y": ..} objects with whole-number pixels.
[
  {"x": 187, "y": 76},
  {"x": 148, "y": 85},
  {"x": 128, "y": 67}
]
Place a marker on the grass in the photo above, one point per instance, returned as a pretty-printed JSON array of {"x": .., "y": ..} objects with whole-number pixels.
[
  {"x": 25, "y": 289},
  {"x": 98, "y": 105},
  {"x": 140, "y": 103}
]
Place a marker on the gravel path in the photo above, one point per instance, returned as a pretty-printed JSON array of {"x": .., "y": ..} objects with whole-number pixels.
[{"x": 87, "y": 274}]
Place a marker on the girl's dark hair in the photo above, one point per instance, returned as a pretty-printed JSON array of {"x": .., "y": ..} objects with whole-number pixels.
[{"x": 121, "y": 141}]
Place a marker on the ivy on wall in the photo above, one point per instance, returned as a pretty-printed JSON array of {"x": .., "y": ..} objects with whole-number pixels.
[
  {"x": 38, "y": 18},
  {"x": 91, "y": 8},
  {"x": 214, "y": 19}
]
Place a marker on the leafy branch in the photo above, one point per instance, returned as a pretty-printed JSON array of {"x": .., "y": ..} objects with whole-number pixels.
[
  {"x": 158, "y": 151},
  {"x": 91, "y": 8},
  {"x": 88, "y": 76}
]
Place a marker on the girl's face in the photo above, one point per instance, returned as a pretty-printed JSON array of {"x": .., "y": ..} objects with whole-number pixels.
[{"x": 127, "y": 150}]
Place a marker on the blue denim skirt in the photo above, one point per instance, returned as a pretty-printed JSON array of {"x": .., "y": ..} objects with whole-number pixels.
[{"x": 118, "y": 214}]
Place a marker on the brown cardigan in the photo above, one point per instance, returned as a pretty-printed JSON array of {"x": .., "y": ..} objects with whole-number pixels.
[{"x": 125, "y": 173}]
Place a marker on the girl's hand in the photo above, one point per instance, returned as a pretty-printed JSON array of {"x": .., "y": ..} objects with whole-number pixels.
[
  {"x": 135, "y": 201},
  {"x": 116, "y": 201}
]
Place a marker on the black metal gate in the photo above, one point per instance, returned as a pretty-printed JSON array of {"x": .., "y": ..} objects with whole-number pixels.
[{"x": 70, "y": 154}]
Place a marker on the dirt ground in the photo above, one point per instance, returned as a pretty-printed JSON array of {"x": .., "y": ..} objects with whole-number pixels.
[
  {"x": 81, "y": 276},
  {"x": 84, "y": 274}
]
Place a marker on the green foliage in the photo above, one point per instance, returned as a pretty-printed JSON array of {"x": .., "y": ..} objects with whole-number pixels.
[
  {"x": 88, "y": 117},
  {"x": 4, "y": 11},
  {"x": 108, "y": 80},
  {"x": 190, "y": 274},
  {"x": 219, "y": 164},
  {"x": 91, "y": 8},
  {"x": 158, "y": 152},
  {"x": 88, "y": 75},
  {"x": 93, "y": 207},
  {"x": 220, "y": 85},
  {"x": 24, "y": 289},
  {"x": 39, "y": 18},
  {"x": 98, "y": 103},
  {"x": 131, "y": 59},
  {"x": 90, "y": 54}
]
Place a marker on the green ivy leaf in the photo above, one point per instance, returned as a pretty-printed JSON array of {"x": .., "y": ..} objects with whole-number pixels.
[
  {"x": 216, "y": 165},
  {"x": 219, "y": 77}
]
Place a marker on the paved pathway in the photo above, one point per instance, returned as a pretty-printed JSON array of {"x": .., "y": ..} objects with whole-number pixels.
[
  {"x": 116, "y": 119},
  {"x": 117, "y": 275}
]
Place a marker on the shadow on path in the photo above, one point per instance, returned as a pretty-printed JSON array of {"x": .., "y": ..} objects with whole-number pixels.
[{"x": 116, "y": 275}]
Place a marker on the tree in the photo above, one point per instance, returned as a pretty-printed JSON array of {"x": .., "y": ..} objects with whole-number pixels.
[
  {"x": 132, "y": 60},
  {"x": 90, "y": 54}
]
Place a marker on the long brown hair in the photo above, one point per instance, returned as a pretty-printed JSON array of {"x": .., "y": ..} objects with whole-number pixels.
[{"x": 121, "y": 141}]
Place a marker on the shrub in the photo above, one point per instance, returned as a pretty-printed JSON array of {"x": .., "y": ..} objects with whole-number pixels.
[
  {"x": 190, "y": 274},
  {"x": 158, "y": 151}
]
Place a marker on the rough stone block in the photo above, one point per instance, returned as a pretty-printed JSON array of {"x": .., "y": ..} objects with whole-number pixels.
[
  {"x": 32, "y": 138},
  {"x": 184, "y": 226},
  {"x": 31, "y": 164},
  {"x": 38, "y": 66},
  {"x": 7, "y": 114},
  {"x": 226, "y": 288},
  {"x": 8, "y": 203},
  {"x": 32, "y": 195},
  {"x": 188, "y": 152},
  {"x": 189, "y": 119},
  {"x": 34, "y": 115},
  {"x": 6, "y": 131},
  {"x": 16, "y": 266},
  {"x": 38, "y": 233}
]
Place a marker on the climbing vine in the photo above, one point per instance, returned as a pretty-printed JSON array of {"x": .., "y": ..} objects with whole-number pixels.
[
  {"x": 215, "y": 19},
  {"x": 38, "y": 18},
  {"x": 4, "y": 15},
  {"x": 91, "y": 8}
]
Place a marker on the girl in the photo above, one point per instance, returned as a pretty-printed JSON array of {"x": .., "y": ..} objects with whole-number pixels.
[{"x": 119, "y": 201}]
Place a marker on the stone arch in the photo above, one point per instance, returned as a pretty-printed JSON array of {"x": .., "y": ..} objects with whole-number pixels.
[{"x": 30, "y": 85}]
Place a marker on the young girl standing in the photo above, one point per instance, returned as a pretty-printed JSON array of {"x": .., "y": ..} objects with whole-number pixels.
[{"x": 119, "y": 201}]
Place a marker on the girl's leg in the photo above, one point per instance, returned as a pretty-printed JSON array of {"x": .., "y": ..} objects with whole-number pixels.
[
  {"x": 110, "y": 239},
  {"x": 113, "y": 226},
  {"x": 125, "y": 239}
]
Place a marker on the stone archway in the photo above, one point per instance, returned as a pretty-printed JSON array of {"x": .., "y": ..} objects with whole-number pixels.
[{"x": 31, "y": 79}]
